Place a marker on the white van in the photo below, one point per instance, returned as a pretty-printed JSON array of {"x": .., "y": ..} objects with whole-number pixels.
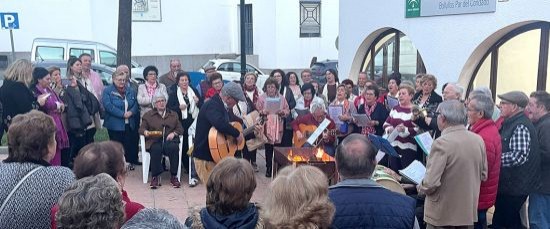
[{"x": 61, "y": 49}]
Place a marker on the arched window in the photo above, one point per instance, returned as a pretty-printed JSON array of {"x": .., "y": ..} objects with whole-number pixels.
[
  {"x": 393, "y": 52},
  {"x": 517, "y": 61}
]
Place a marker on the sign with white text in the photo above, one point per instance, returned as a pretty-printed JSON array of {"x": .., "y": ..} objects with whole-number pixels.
[
  {"x": 425, "y": 8},
  {"x": 9, "y": 21}
]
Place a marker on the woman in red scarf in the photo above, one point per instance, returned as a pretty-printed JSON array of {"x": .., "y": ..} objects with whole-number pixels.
[{"x": 217, "y": 83}]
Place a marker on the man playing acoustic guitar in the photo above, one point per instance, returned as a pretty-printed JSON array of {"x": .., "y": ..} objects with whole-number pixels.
[
  {"x": 313, "y": 119},
  {"x": 214, "y": 113}
]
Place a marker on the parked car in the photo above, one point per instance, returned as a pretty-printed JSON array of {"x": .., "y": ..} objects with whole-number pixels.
[
  {"x": 231, "y": 70},
  {"x": 45, "y": 49},
  {"x": 104, "y": 71},
  {"x": 319, "y": 69}
]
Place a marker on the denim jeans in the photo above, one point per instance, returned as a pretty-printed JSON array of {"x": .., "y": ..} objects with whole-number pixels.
[
  {"x": 539, "y": 211},
  {"x": 481, "y": 219}
]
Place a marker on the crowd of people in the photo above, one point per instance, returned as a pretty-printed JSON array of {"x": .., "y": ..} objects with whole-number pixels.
[{"x": 483, "y": 155}]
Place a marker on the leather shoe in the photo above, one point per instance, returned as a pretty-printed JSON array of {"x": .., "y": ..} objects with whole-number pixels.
[
  {"x": 175, "y": 182},
  {"x": 154, "y": 183}
]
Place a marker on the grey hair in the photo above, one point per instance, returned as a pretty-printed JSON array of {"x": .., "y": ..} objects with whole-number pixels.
[
  {"x": 316, "y": 105},
  {"x": 483, "y": 103},
  {"x": 454, "y": 112},
  {"x": 153, "y": 218},
  {"x": 481, "y": 91},
  {"x": 459, "y": 90},
  {"x": 159, "y": 94},
  {"x": 91, "y": 202}
]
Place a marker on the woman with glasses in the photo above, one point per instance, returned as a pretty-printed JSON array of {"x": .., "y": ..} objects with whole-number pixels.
[
  {"x": 147, "y": 90},
  {"x": 121, "y": 112},
  {"x": 376, "y": 111}
]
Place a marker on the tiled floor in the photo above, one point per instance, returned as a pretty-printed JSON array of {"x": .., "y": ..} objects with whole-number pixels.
[{"x": 179, "y": 201}]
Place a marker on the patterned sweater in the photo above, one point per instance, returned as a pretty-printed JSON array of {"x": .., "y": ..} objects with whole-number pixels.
[
  {"x": 30, "y": 205},
  {"x": 400, "y": 115}
]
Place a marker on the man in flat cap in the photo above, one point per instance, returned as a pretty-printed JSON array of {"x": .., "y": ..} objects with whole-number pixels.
[
  {"x": 519, "y": 163},
  {"x": 214, "y": 113}
]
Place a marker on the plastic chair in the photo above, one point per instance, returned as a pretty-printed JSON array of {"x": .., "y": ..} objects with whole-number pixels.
[{"x": 146, "y": 159}]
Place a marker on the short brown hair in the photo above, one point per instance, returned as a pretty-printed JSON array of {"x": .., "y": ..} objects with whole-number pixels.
[
  {"x": 25, "y": 145},
  {"x": 52, "y": 69},
  {"x": 230, "y": 186},
  {"x": 100, "y": 157},
  {"x": 408, "y": 87},
  {"x": 298, "y": 198},
  {"x": 543, "y": 99},
  {"x": 270, "y": 80}
]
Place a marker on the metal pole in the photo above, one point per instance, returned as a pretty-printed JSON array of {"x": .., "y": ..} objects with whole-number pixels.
[
  {"x": 12, "y": 47},
  {"x": 243, "y": 39}
]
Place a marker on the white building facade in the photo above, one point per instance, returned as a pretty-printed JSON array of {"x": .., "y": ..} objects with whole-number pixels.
[
  {"x": 191, "y": 30},
  {"x": 505, "y": 50}
]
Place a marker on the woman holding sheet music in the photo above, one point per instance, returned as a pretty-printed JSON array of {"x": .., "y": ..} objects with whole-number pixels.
[
  {"x": 275, "y": 106},
  {"x": 375, "y": 111},
  {"x": 287, "y": 93},
  {"x": 343, "y": 121},
  {"x": 304, "y": 102},
  {"x": 401, "y": 131}
]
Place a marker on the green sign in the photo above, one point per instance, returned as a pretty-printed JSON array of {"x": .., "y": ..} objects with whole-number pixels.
[{"x": 412, "y": 8}]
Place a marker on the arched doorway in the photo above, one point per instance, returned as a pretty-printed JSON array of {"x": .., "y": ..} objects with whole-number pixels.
[
  {"x": 518, "y": 60},
  {"x": 392, "y": 51}
]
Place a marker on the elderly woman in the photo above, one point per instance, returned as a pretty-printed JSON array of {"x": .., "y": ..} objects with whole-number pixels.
[
  {"x": 121, "y": 109},
  {"x": 27, "y": 173},
  {"x": 162, "y": 128},
  {"x": 287, "y": 93},
  {"x": 399, "y": 125},
  {"x": 479, "y": 111},
  {"x": 147, "y": 90},
  {"x": 309, "y": 96},
  {"x": 376, "y": 112},
  {"x": 316, "y": 116},
  {"x": 344, "y": 120},
  {"x": 53, "y": 107},
  {"x": 18, "y": 77},
  {"x": 252, "y": 94},
  {"x": 216, "y": 81},
  {"x": 427, "y": 98},
  {"x": 298, "y": 198},
  {"x": 329, "y": 89},
  {"x": 228, "y": 194},
  {"x": 91, "y": 202},
  {"x": 103, "y": 157},
  {"x": 275, "y": 106}
]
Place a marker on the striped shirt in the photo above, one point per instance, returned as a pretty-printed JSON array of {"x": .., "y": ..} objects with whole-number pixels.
[{"x": 400, "y": 115}]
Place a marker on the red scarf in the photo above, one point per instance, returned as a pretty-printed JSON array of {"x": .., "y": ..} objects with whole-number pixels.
[
  {"x": 369, "y": 129},
  {"x": 211, "y": 92},
  {"x": 255, "y": 95},
  {"x": 122, "y": 91}
]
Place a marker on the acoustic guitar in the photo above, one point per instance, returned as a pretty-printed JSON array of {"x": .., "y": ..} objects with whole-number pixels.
[
  {"x": 222, "y": 145},
  {"x": 306, "y": 131}
]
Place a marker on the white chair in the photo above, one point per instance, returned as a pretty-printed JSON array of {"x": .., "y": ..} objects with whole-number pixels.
[{"x": 146, "y": 159}]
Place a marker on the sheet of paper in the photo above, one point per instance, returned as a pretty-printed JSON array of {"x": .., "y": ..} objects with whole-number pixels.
[
  {"x": 425, "y": 141},
  {"x": 391, "y": 136},
  {"x": 334, "y": 111},
  {"x": 392, "y": 102},
  {"x": 415, "y": 172},
  {"x": 318, "y": 131},
  {"x": 380, "y": 155},
  {"x": 361, "y": 119},
  {"x": 273, "y": 105}
]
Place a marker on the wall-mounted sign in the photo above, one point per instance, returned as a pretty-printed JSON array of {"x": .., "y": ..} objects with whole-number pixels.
[
  {"x": 146, "y": 10},
  {"x": 424, "y": 8}
]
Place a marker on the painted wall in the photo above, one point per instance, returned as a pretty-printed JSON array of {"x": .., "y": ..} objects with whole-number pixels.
[{"x": 449, "y": 45}]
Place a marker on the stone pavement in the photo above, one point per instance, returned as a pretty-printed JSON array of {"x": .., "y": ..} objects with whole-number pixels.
[{"x": 179, "y": 201}]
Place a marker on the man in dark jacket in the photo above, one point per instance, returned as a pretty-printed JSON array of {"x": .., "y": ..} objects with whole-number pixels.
[
  {"x": 539, "y": 201},
  {"x": 214, "y": 113},
  {"x": 519, "y": 163},
  {"x": 360, "y": 202}
]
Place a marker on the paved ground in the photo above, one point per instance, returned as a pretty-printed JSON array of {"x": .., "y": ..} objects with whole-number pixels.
[{"x": 179, "y": 201}]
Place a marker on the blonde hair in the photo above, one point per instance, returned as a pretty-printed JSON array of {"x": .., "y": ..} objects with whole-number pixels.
[
  {"x": 429, "y": 77},
  {"x": 20, "y": 71},
  {"x": 298, "y": 198}
]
